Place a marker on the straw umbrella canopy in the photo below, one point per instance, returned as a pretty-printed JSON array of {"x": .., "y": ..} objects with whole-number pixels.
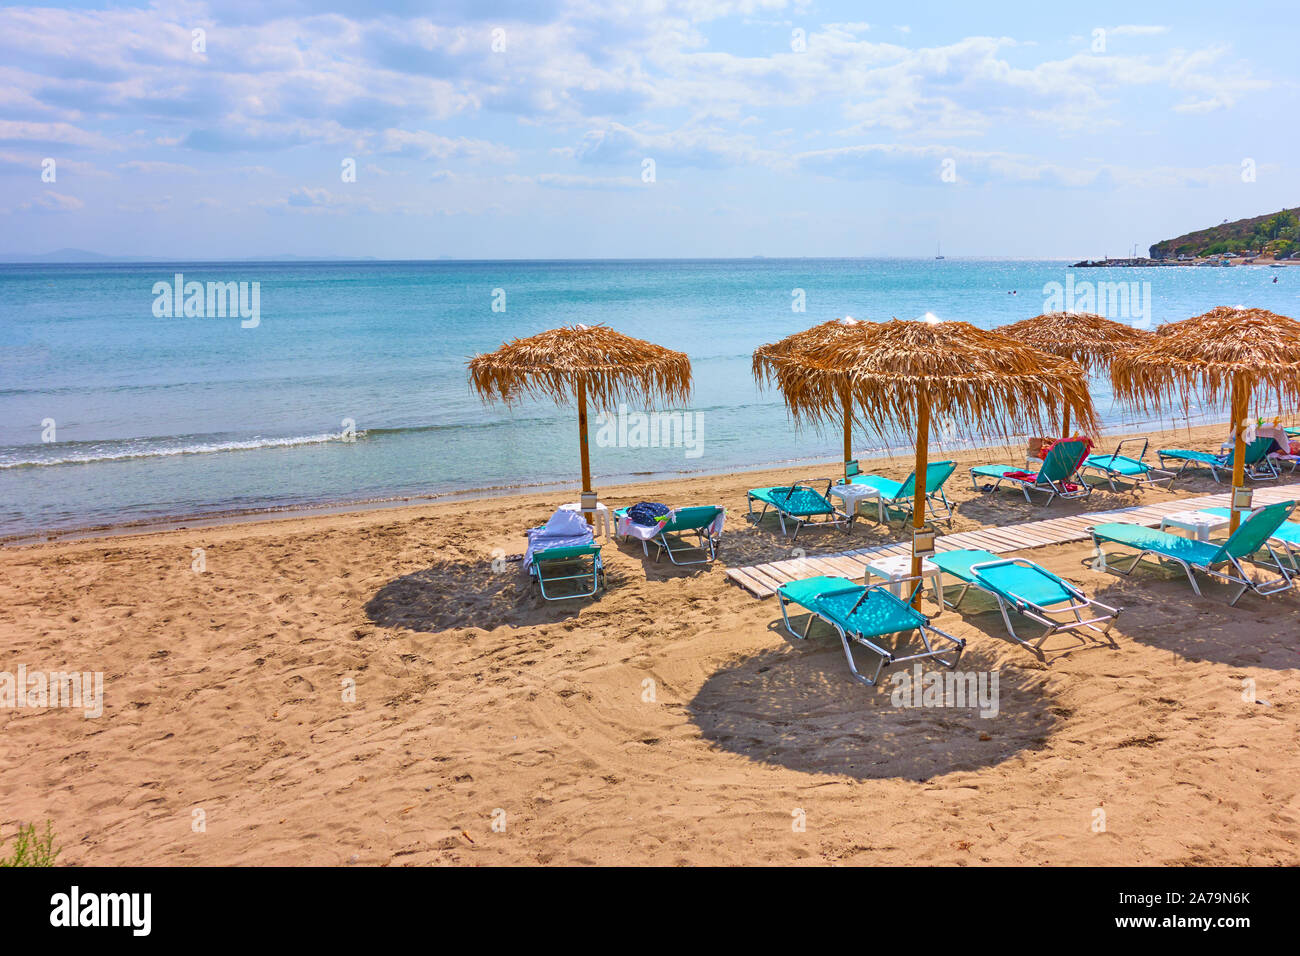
[
  {"x": 767, "y": 359},
  {"x": 1233, "y": 353},
  {"x": 899, "y": 373},
  {"x": 583, "y": 363},
  {"x": 1085, "y": 338}
]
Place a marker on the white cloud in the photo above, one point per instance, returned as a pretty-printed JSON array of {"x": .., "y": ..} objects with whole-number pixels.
[
  {"x": 1135, "y": 30},
  {"x": 157, "y": 168},
  {"x": 428, "y": 145},
  {"x": 52, "y": 202},
  {"x": 62, "y": 133},
  {"x": 566, "y": 181}
]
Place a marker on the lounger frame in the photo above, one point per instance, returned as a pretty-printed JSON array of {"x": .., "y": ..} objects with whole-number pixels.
[
  {"x": 1262, "y": 588},
  {"x": 1038, "y": 613},
  {"x": 1262, "y": 470},
  {"x": 1053, "y": 488},
  {"x": 596, "y": 573},
  {"x": 886, "y": 658},
  {"x": 835, "y": 519},
  {"x": 937, "y": 505},
  {"x": 705, "y": 542},
  {"x": 1165, "y": 476}
]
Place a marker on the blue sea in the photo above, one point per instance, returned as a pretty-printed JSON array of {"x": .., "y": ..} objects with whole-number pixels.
[{"x": 351, "y": 386}]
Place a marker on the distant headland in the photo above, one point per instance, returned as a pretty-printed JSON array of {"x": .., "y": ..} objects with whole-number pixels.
[{"x": 1270, "y": 239}]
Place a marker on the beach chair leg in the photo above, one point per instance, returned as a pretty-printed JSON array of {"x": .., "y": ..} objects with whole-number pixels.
[
  {"x": 957, "y": 642},
  {"x": 785, "y": 618},
  {"x": 1006, "y": 619},
  {"x": 790, "y": 627},
  {"x": 885, "y": 659},
  {"x": 1191, "y": 577},
  {"x": 1237, "y": 597},
  {"x": 960, "y": 597}
]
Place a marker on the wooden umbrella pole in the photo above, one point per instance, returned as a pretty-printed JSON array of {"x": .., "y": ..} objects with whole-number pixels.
[
  {"x": 848, "y": 428},
  {"x": 1240, "y": 398},
  {"x": 582, "y": 444},
  {"x": 918, "y": 498},
  {"x": 1065, "y": 423}
]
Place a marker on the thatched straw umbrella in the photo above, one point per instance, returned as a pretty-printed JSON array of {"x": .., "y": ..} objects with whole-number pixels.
[
  {"x": 768, "y": 357},
  {"x": 589, "y": 363},
  {"x": 900, "y": 373},
  {"x": 1087, "y": 339},
  {"x": 1228, "y": 352}
]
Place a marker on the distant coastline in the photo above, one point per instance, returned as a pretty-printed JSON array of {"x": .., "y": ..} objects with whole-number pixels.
[{"x": 1211, "y": 262}]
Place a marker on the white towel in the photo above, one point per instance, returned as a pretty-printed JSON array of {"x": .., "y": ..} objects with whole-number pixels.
[{"x": 565, "y": 529}]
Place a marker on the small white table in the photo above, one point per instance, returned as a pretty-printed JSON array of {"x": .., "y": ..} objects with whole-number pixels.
[
  {"x": 601, "y": 513},
  {"x": 897, "y": 568},
  {"x": 1201, "y": 524},
  {"x": 854, "y": 495}
]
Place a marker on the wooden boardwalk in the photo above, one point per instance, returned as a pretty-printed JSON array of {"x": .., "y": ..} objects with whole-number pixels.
[{"x": 762, "y": 580}]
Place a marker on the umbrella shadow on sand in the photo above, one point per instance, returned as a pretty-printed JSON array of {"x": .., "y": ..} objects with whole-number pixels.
[
  {"x": 451, "y": 595},
  {"x": 1257, "y": 632},
  {"x": 798, "y": 708}
]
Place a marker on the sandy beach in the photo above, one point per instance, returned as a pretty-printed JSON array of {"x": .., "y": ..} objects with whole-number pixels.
[{"x": 670, "y": 721}]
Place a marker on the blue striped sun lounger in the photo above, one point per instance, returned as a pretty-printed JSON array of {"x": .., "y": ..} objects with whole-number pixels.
[
  {"x": 860, "y": 614},
  {"x": 1030, "y": 590}
]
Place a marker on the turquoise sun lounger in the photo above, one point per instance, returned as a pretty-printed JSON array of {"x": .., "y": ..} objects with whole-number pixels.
[
  {"x": 1117, "y": 467},
  {"x": 1253, "y": 535},
  {"x": 800, "y": 502},
  {"x": 1287, "y": 535},
  {"x": 1257, "y": 465},
  {"x": 579, "y": 563},
  {"x": 1030, "y": 590},
  {"x": 859, "y": 614},
  {"x": 896, "y": 496},
  {"x": 1061, "y": 465},
  {"x": 670, "y": 538}
]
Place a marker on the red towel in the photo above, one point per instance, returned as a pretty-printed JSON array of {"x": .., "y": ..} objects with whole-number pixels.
[{"x": 1030, "y": 476}]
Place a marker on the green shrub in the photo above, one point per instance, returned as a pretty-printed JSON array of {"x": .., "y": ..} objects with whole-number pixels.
[{"x": 31, "y": 849}]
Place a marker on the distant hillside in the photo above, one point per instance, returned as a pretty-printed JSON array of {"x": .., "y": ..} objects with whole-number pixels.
[{"x": 1275, "y": 233}]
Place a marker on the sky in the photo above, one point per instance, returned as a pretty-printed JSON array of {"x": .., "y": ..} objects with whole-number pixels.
[{"x": 493, "y": 129}]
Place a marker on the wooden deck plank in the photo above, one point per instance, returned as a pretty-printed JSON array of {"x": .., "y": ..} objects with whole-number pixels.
[
  {"x": 762, "y": 580},
  {"x": 751, "y": 584},
  {"x": 764, "y": 575}
]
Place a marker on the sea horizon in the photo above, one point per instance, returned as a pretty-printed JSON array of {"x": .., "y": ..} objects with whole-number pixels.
[{"x": 352, "y": 388}]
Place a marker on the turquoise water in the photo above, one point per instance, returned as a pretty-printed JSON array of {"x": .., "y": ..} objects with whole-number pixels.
[{"x": 157, "y": 416}]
